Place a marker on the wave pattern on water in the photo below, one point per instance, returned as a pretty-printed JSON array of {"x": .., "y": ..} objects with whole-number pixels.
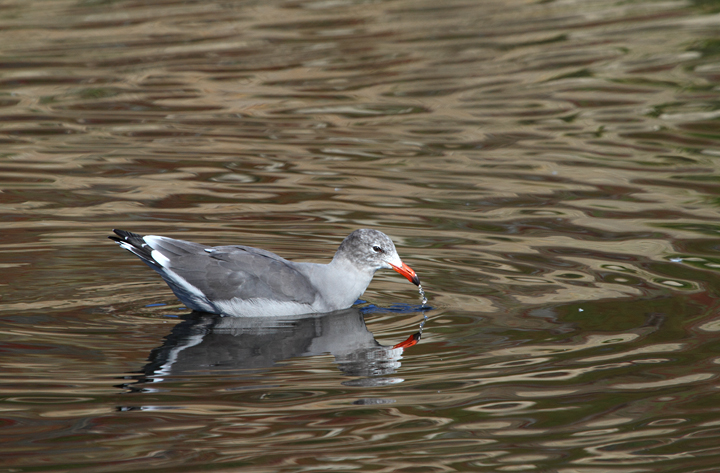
[{"x": 549, "y": 169}]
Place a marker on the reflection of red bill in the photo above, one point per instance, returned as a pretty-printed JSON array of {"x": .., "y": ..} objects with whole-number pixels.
[
  {"x": 411, "y": 340},
  {"x": 407, "y": 271}
]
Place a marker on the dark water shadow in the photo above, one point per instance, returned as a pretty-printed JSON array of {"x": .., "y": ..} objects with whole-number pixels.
[{"x": 207, "y": 344}]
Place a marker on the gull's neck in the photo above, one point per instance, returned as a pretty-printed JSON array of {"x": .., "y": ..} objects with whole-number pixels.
[{"x": 340, "y": 282}]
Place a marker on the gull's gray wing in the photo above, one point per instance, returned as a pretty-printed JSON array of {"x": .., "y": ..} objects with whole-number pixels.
[{"x": 227, "y": 272}]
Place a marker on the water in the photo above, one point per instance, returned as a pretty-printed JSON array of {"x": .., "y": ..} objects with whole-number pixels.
[
  {"x": 423, "y": 297},
  {"x": 549, "y": 169}
]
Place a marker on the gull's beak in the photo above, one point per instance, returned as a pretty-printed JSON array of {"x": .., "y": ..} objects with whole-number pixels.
[{"x": 407, "y": 271}]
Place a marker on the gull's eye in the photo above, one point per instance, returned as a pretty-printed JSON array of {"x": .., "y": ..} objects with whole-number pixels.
[{"x": 377, "y": 249}]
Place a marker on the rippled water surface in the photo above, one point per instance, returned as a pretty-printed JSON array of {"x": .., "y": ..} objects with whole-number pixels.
[{"x": 549, "y": 168}]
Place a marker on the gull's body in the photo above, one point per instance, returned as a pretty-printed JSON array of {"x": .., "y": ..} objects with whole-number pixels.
[{"x": 245, "y": 281}]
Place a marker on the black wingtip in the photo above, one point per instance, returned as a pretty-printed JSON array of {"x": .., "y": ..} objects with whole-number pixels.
[
  {"x": 124, "y": 236},
  {"x": 120, "y": 233}
]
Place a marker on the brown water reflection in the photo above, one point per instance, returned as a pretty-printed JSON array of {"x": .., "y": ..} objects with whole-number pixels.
[{"x": 548, "y": 168}]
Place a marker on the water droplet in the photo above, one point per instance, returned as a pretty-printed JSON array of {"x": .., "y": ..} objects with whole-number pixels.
[
  {"x": 422, "y": 294},
  {"x": 422, "y": 324}
]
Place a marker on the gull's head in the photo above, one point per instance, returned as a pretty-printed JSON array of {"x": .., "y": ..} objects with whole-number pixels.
[{"x": 371, "y": 250}]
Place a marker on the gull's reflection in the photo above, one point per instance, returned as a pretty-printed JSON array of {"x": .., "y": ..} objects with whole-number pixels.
[{"x": 243, "y": 346}]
